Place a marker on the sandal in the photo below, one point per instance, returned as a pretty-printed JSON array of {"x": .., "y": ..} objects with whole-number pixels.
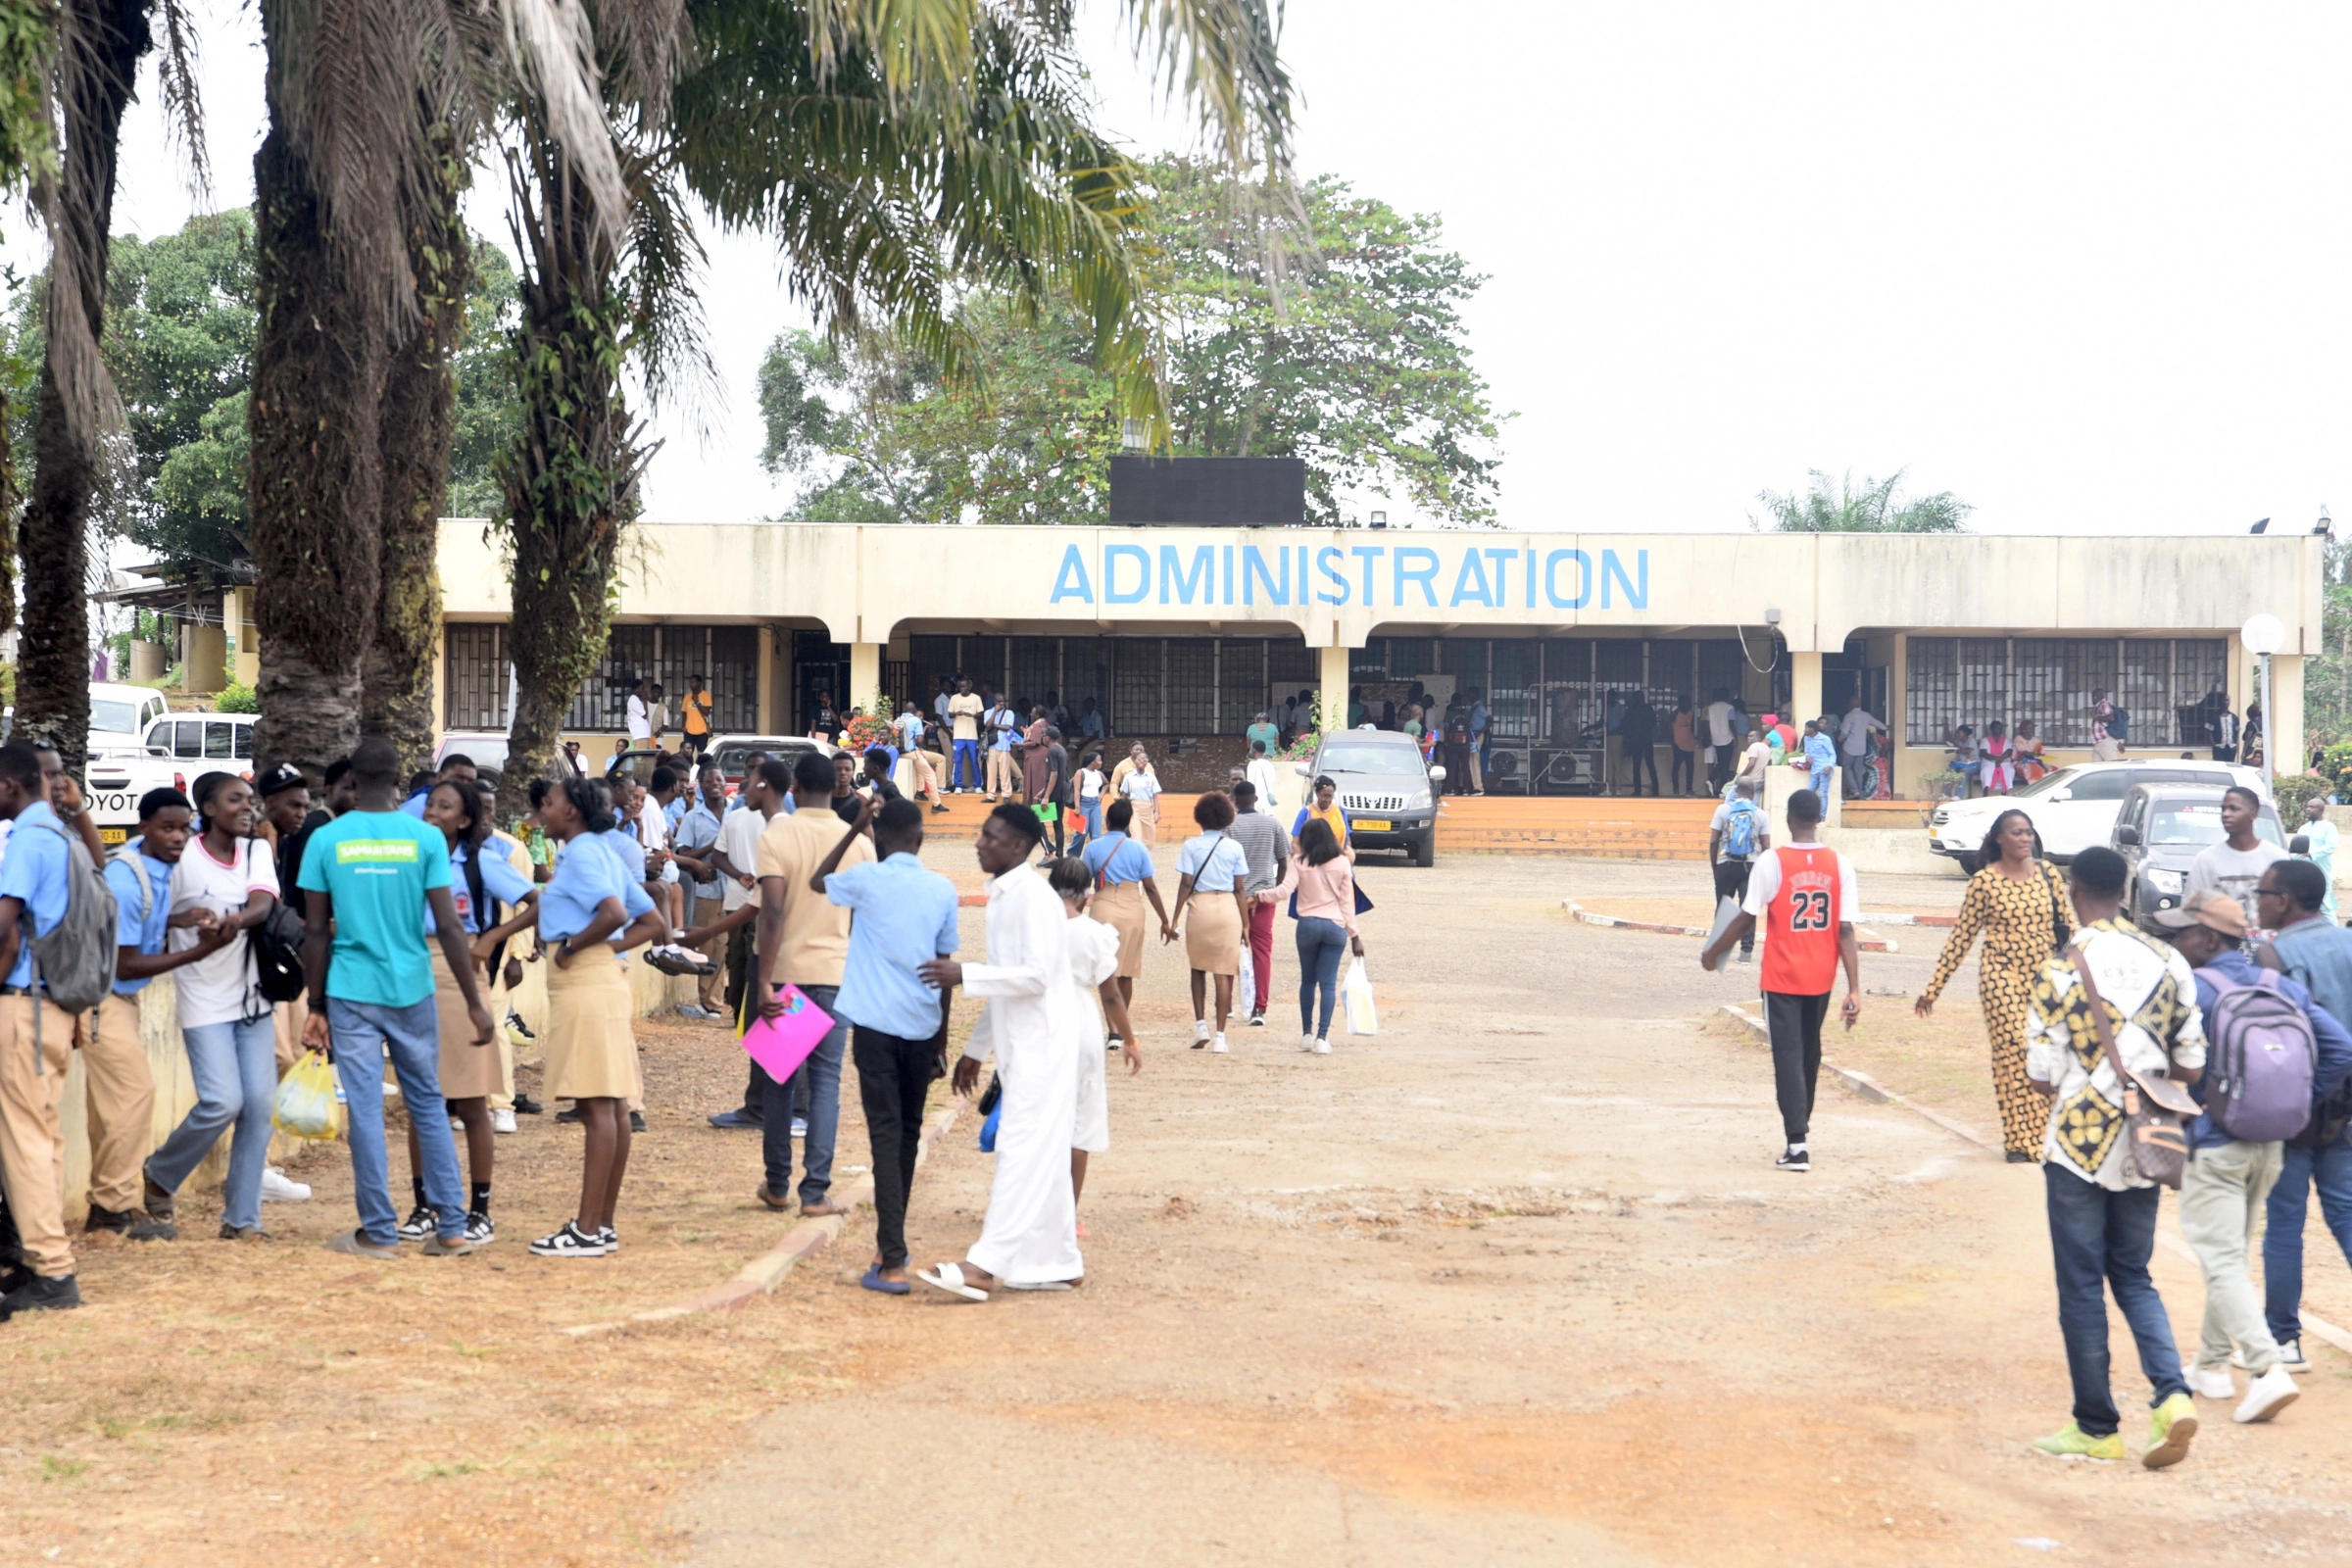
[{"x": 949, "y": 1277}]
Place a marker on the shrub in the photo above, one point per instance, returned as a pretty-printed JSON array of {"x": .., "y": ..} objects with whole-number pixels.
[{"x": 237, "y": 698}]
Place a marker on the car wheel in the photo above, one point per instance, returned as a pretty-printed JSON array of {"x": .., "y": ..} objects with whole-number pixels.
[
  {"x": 1968, "y": 862},
  {"x": 1425, "y": 849}
]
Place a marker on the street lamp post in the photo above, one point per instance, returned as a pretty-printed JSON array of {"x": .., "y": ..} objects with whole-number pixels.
[{"x": 2265, "y": 634}]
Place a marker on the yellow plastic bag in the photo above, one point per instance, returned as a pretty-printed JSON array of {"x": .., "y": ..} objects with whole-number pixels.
[{"x": 306, "y": 1103}]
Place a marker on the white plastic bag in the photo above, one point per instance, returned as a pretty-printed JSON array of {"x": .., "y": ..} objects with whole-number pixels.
[
  {"x": 1244, "y": 984},
  {"x": 1355, "y": 998}
]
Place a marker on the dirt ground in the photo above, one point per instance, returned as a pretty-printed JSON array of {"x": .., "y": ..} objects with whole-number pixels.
[{"x": 1512, "y": 1282}]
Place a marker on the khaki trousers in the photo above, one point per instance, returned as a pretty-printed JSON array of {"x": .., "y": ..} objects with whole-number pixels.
[
  {"x": 119, "y": 1094},
  {"x": 1002, "y": 777},
  {"x": 289, "y": 1019},
  {"x": 2223, "y": 1197},
  {"x": 710, "y": 988},
  {"x": 926, "y": 781},
  {"x": 33, "y": 1151}
]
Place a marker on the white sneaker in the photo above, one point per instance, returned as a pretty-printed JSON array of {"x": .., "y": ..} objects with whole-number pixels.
[
  {"x": 1322, "y": 1047},
  {"x": 277, "y": 1189},
  {"x": 2212, "y": 1383},
  {"x": 1217, "y": 1044},
  {"x": 2290, "y": 1356},
  {"x": 2266, "y": 1395},
  {"x": 502, "y": 1120},
  {"x": 1307, "y": 1042},
  {"x": 1201, "y": 1029}
]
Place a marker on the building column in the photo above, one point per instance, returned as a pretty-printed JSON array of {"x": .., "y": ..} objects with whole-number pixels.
[
  {"x": 865, "y": 675},
  {"x": 1332, "y": 671},
  {"x": 774, "y": 708},
  {"x": 1804, "y": 689},
  {"x": 2283, "y": 716}
]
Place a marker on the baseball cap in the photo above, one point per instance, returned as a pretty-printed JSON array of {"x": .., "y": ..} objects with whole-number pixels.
[
  {"x": 284, "y": 777},
  {"x": 2216, "y": 911}
]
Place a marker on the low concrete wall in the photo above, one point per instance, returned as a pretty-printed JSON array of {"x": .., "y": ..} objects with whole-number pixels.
[{"x": 1890, "y": 851}]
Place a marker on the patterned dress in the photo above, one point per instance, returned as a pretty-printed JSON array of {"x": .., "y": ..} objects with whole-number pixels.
[{"x": 2021, "y": 923}]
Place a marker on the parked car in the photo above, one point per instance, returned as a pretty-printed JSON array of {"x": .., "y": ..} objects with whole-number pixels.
[
  {"x": 734, "y": 753},
  {"x": 1386, "y": 790},
  {"x": 486, "y": 747},
  {"x": 2074, "y": 807},
  {"x": 177, "y": 751},
  {"x": 2159, "y": 831},
  {"x": 119, "y": 717}
]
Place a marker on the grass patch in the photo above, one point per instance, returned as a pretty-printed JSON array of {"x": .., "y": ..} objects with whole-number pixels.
[{"x": 54, "y": 1468}]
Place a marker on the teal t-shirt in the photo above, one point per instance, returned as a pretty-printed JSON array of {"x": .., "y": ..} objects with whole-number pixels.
[{"x": 377, "y": 868}]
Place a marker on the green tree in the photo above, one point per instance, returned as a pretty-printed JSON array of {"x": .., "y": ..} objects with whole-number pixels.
[
  {"x": 1877, "y": 505},
  {"x": 1331, "y": 332},
  {"x": 486, "y": 412}
]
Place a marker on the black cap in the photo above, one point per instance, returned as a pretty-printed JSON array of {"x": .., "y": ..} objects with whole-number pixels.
[{"x": 284, "y": 777}]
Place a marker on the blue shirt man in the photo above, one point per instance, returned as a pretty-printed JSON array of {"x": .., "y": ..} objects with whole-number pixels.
[
  {"x": 1821, "y": 760},
  {"x": 695, "y": 832},
  {"x": 2292, "y": 899},
  {"x": 34, "y": 873},
  {"x": 144, "y": 915},
  {"x": 904, "y": 916}
]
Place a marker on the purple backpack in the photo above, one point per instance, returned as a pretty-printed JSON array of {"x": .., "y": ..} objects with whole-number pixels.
[{"x": 2261, "y": 1061}]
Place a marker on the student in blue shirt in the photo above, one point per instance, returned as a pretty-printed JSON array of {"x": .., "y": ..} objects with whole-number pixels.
[
  {"x": 36, "y": 1038},
  {"x": 585, "y": 923},
  {"x": 371, "y": 873},
  {"x": 904, "y": 916},
  {"x": 122, "y": 1087},
  {"x": 1821, "y": 758},
  {"x": 1123, "y": 878},
  {"x": 694, "y": 838}
]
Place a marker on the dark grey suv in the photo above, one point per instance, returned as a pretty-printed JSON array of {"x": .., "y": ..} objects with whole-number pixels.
[
  {"x": 2159, "y": 831},
  {"x": 1388, "y": 793}
]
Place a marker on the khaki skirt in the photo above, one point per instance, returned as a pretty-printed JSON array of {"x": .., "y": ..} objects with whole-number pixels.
[
  {"x": 1212, "y": 933},
  {"x": 1146, "y": 823},
  {"x": 590, "y": 1051},
  {"x": 1120, "y": 906},
  {"x": 466, "y": 1071}
]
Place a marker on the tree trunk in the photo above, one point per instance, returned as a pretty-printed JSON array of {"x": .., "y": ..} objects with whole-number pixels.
[
  {"x": 314, "y": 480},
  {"x": 417, "y": 425},
  {"x": 571, "y": 477},
  {"x": 53, "y": 670}
]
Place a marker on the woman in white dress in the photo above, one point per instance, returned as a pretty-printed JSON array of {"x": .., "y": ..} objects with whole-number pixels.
[{"x": 1093, "y": 973}]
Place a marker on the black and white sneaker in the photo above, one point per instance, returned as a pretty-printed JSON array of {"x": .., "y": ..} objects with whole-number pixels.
[
  {"x": 1796, "y": 1159},
  {"x": 611, "y": 1238},
  {"x": 1257, "y": 1020},
  {"x": 478, "y": 1229},
  {"x": 419, "y": 1224},
  {"x": 571, "y": 1241}
]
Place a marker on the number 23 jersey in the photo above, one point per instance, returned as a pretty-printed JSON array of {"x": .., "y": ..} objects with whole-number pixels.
[{"x": 1800, "y": 893}]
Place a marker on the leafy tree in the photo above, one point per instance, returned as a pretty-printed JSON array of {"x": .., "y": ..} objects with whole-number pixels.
[
  {"x": 486, "y": 412},
  {"x": 1877, "y": 506},
  {"x": 1330, "y": 331}
]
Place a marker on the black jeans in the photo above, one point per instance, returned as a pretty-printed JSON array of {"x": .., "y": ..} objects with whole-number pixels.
[
  {"x": 740, "y": 955},
  {"x": 1795, "y": 1025},
  {"x": 1639, "y": 756},
  {"x": 1684, "y": 772},
  {"x": 894, "y": 1076},
  {"x": 1731, "y": 882}
]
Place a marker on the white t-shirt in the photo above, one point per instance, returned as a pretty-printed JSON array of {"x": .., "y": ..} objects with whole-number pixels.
[
  {"x": 1719, "y": 723},
  {"x": 2219, "y": 868},
  {"x": 218, "y": 989},
  {"x": 1265, "y": 776},
  {"x": 641, "y": 723},
  {"x": 1090, "y": 782},
  {"x": 739, "y": 841},
  {"x": 1765, "y": 880}
]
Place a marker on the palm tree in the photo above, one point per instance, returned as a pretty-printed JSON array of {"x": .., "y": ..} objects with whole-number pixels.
[
  {"x": 894, "y": 150},
  {"x": 1877, "y": 505}
]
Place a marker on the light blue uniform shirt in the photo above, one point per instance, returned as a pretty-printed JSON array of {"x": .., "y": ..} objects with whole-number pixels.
[
  {"x": 627, "y": 850},
  {"x": 499, "y": 880},
  {"x": 34, "y": 870},
  {"x": 1821, "y": 751},
  {"x": 696, "y": 832},
  {"x": 586, "y": 875},
  {"x": 131, "y": 931},
  {"x": 1115, "y": 857},
  {"x": 904, "y": 916},
  {"x": 1212, "y": 861}
]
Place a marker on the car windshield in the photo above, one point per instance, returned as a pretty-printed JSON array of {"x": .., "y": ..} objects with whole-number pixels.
[
  {"x": 1367, "y": 757},
  {"x": 485, "y": 751},
  {"x": 2193, "y": 824},
  {"x": 122, "y": 718}
]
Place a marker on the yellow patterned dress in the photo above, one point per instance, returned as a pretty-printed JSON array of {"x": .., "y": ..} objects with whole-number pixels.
[{"x": 2021, "y": 923}]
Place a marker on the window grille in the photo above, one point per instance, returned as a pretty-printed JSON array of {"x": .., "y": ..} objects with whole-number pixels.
[
  {"x": 1241, "y": 683},
  {"x": 1512, "y": 703},
  {"x": 475, "y": 674},
  {"x": 2054, "y": 681},
  {"x": 1192, "y": 682},
  {"x": 1138, "y": 681}
]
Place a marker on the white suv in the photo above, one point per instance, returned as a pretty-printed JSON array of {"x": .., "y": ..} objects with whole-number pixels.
[{"x": 2074, "y": 807}]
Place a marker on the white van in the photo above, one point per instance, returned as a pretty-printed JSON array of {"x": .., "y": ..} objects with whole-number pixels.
[{"x": 120, "y": 716}]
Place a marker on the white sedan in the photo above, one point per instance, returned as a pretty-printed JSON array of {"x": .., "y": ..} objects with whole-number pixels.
[{"x": 2074, "y": 807}]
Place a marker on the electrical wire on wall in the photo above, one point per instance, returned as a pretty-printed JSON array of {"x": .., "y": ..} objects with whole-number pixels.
[{"x": 1750, "y": 659}]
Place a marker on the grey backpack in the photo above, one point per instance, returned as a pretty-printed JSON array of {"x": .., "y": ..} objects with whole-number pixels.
[{"x": 75, "y": 960}]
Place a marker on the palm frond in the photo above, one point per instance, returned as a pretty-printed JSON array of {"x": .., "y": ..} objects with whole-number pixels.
[{"x": 182, "y": 102}]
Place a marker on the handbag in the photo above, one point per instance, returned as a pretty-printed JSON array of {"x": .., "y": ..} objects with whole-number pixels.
[
  {"x": 2061, "y": 933},
  {"x": 2153, "y": 1121}
]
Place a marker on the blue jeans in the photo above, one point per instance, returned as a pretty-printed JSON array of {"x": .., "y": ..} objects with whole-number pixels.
[
  {"x": 1818, "y": 780},
  {"x": 2282, "y": 1241},
  {"x": 2098, "y": 1236},
  {"x": 818, "y": 1081},
  {"x": 1322, "y": 945},
  {"x": 362, "y": 1031},
  {"x": 967, "y": 769},
  {"x": 236, "y": 1069}
]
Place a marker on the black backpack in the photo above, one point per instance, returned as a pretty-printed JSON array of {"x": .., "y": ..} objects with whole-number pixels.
[{"x": 277, "y": 945}]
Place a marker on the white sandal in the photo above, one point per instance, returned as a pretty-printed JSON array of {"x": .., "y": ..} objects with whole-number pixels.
[{"x": 949, "y": 1278}]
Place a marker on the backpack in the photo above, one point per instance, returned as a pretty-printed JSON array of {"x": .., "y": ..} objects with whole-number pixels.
[
  {"x": 2119, "y": 727},
  {"x": 2262, "y": 1059},
  {"x": 1739, "y": 830},
  {"x": 75, "y": 960},
  {"x": 276, "y": 947},
  {"x": 128, "y": 854}
]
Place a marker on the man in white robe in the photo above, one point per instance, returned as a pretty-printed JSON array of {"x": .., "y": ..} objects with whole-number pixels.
[{"x": 1029, "y": 1240}]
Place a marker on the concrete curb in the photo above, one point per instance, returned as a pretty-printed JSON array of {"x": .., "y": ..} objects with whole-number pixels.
[
  {"x": 762, "y": 1274},
  {"x": 1869, "y": 942},
  {"x": 1870, "y": 1089}
]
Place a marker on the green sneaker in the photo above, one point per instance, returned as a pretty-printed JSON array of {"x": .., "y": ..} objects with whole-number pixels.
[
  {"x": 2175, "y": 1423},
  {"x": 2073, "y": 1443}
]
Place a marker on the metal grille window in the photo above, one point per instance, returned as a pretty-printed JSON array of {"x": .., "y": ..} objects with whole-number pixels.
[
  {"x": 473, "y": 663},
  {"x": 728, "y": 655},
  {"x": 1294, "y": 669},
  {"x": 1512, "y": 702},
  {"x": 1568, "y": 705},
  {"x": 1617, "y": 666},
  {"x": 1138, "y": 686},
  {"x": 603, "y": 701},
  {"x": 1241, "y": 683},
  {"x": 1370, "y": 661},
  {"x": 1086, "y": 672},
  {"x": 1722, "y": 667},
  {"x": 1192, "y": 686},
  {"x": 1669, "y": 687},
  {"x": 1036, "y": 670},
  {"x": 1410, "y": 656},
  {"x": 2055, "y": 681}
]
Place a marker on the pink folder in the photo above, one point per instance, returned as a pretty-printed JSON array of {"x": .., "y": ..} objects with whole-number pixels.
[{"x": 781, "y": 1044}]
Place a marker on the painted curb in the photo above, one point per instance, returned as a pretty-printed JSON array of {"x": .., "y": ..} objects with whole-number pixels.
[
  {"x": 762, "y": 1274},
  {"x": 1868, "y": 942},
  {"x": 1870, "y": 1089}
]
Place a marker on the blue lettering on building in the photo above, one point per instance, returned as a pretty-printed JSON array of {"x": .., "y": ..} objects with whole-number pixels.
[
  {"x": 1326, "y": 560},
  {"x": 1071, "y": 582},
  {"x": 1212, "y": 576},
  {"x": 1112, "y": 593},
  {"x": 1202, "y": 580},
  {"x": 1255, "y": 573},
  {"x": 1613, "y": 571}
]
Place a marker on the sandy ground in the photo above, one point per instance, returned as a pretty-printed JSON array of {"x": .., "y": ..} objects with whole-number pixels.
[{"x": 1512, "y": 1282}]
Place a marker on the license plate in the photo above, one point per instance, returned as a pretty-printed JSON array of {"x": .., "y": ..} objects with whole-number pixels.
[
  {"x": 113, "y": 835},
  {"x": 1370, "y": 824}
]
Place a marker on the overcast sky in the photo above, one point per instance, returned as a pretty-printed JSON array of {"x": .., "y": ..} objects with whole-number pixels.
[{"x": 2083, "y": 266}]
